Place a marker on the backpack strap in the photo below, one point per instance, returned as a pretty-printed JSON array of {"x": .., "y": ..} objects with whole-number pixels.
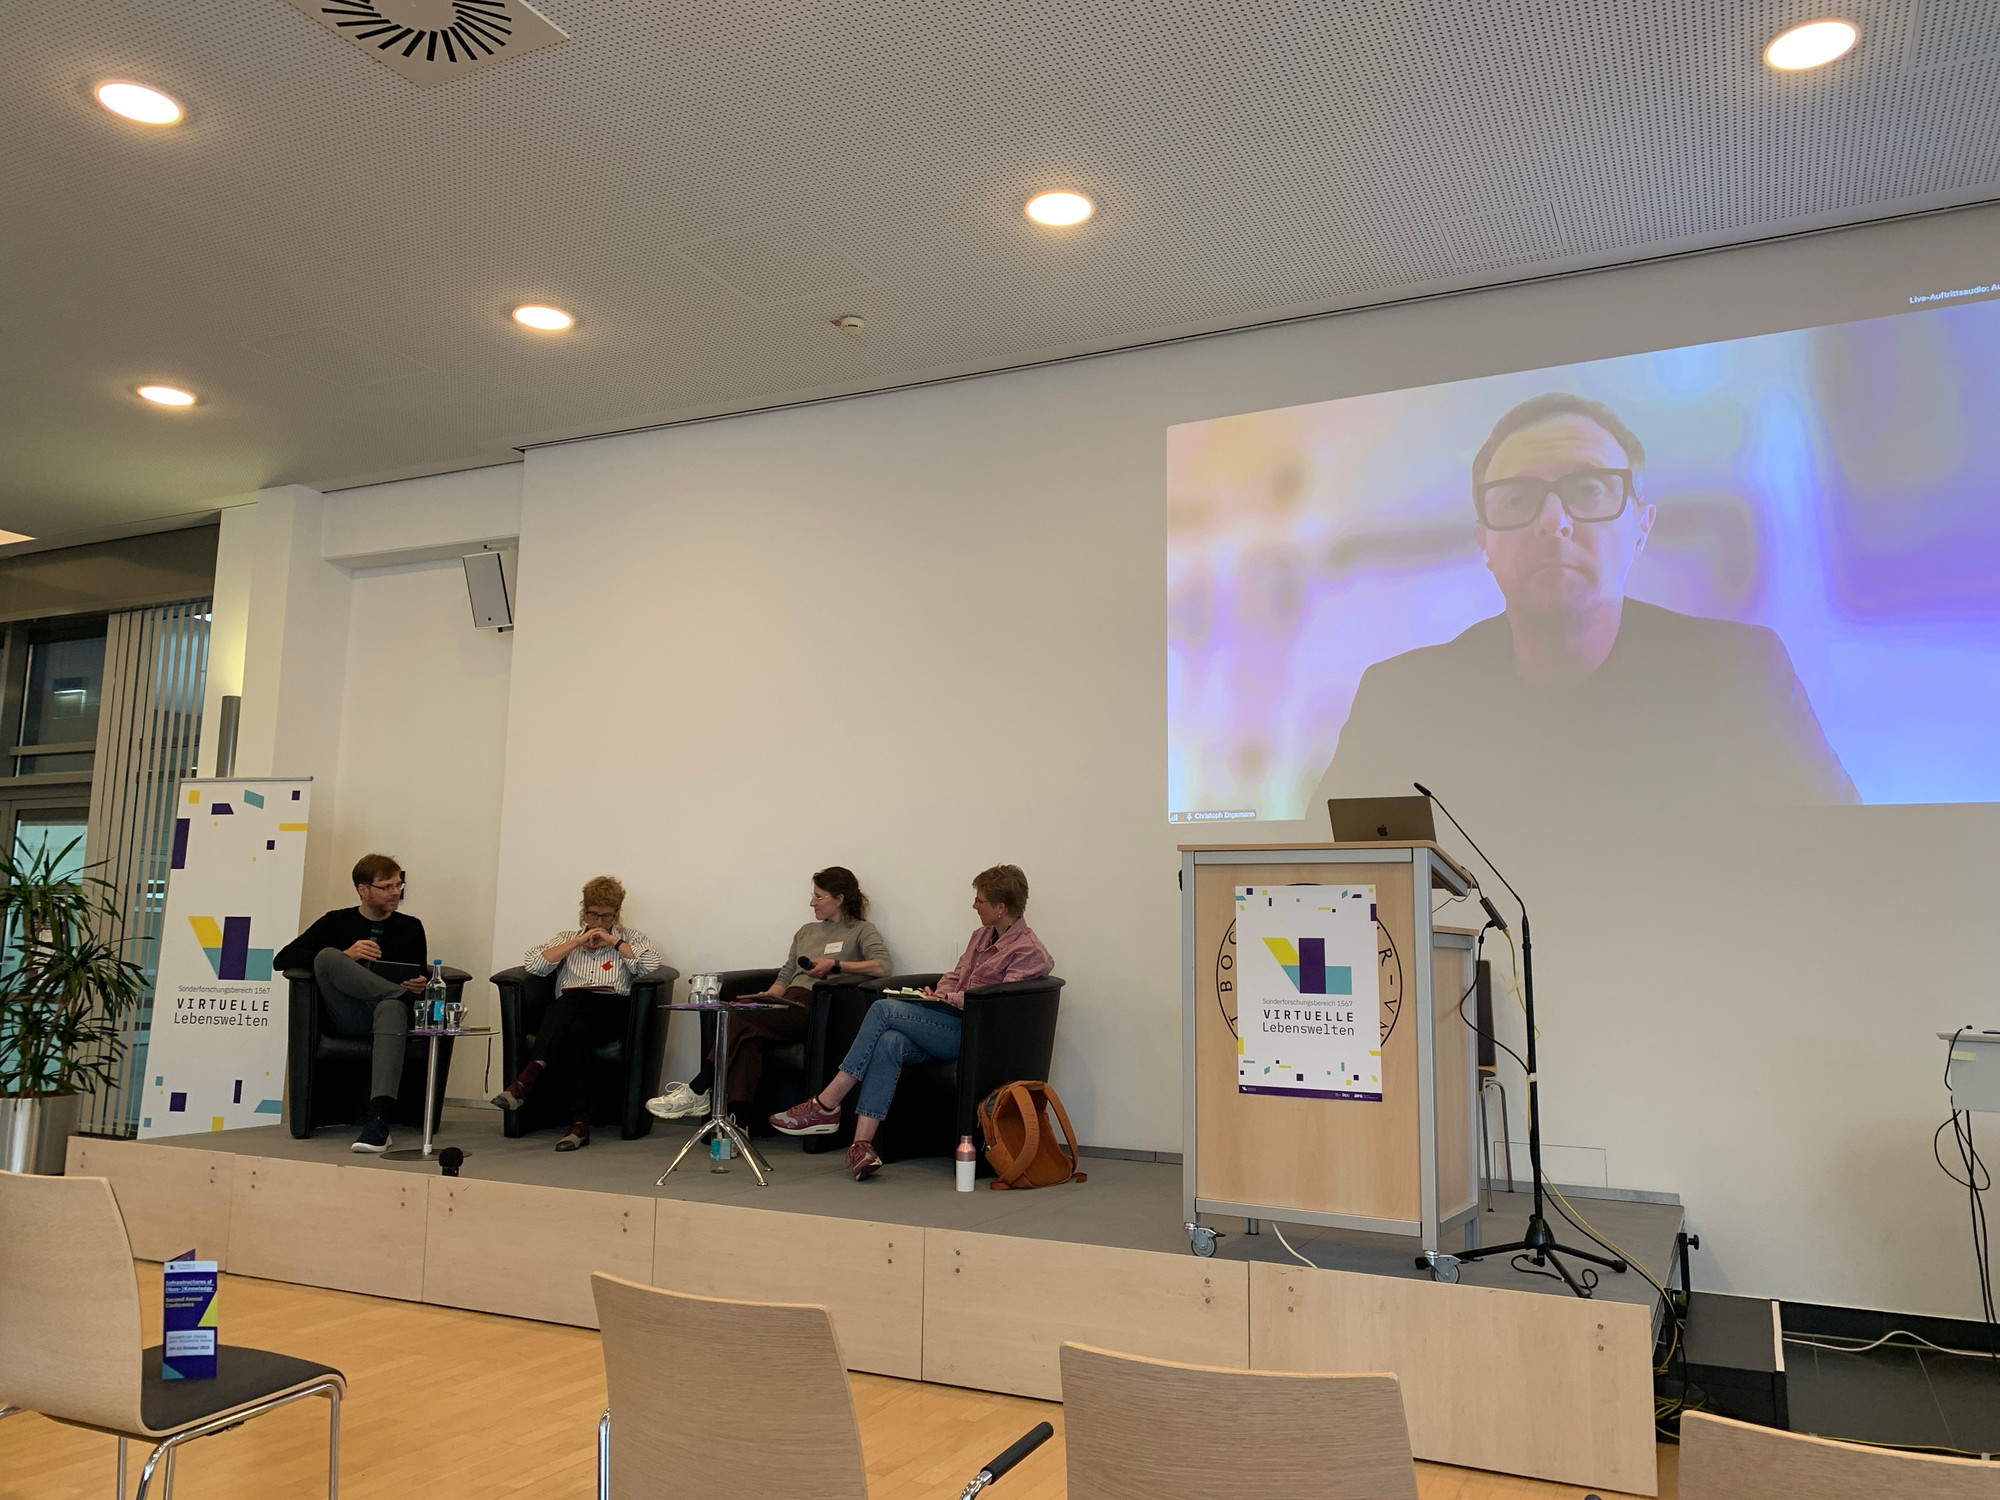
[
  {"x": 1004, "y": 1161},
  {"x": 1031, "y": 1141},
  {"x": 1069, "y": 1133}
]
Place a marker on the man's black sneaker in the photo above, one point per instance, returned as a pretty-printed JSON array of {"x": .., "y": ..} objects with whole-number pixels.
[{"x": 374, "y": 1137}]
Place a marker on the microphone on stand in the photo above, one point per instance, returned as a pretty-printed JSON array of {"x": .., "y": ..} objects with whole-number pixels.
[
  {"x": 1538, "y": 1242},
  {"x": 449, "y": 1160}
]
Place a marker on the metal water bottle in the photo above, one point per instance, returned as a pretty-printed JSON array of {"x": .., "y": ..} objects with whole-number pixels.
[
  {"x": 434, "y": 996},
  {"x": 967, "y": 1161}
]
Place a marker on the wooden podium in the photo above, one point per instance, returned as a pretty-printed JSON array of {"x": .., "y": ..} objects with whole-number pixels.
[{"x": 1407, "y": 1164}]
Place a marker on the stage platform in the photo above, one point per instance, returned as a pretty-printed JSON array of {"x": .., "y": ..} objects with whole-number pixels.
[{"x": 1505, "y": 1371}]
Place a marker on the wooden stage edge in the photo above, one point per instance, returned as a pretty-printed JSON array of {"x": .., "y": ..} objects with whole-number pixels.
[{"x": 1516, "y": 1382}]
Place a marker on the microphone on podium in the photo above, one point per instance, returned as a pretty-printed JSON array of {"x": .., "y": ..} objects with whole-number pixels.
[
  {"x": 1495, "y": 915},
  {"x": 449, "y": 1160}
]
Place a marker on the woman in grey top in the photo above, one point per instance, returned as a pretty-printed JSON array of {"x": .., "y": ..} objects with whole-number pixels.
[{"x": 839, "y": 946}]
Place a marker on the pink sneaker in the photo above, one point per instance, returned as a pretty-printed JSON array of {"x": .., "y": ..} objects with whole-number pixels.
[
  {"x": 862, "y": 1159},
  {"x": 809, "y": 1118}
]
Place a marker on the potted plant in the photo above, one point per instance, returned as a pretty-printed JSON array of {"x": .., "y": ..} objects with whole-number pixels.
[{"x": 64, "y": 990}]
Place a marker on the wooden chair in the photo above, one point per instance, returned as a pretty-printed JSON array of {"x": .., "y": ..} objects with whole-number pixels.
[
  {"x": 69, "y": 1336},
  {"x": 1725, "y": 1460},
  {"x": 1151, "y": 1429},
  {"x": 678, "y": 1422}
]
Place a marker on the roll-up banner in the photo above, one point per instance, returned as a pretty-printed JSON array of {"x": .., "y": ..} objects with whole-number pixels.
[{"x": 216, "y": 1058}]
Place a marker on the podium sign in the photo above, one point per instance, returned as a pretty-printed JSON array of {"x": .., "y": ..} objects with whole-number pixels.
[
  {"x": 1324, "y": 1084},
  {"x": 1302, "y": 1030}
]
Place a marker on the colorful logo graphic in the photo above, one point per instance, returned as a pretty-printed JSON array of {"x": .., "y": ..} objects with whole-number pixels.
[
  {"x": 228, "y": 948},
  {"x": 1305, "y": 965}
]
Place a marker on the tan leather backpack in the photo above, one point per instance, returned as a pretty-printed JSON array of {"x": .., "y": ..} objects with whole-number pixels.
[{"x": 1021, "y": 1141}]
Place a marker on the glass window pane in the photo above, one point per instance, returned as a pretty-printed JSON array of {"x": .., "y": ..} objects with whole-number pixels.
[
  {"x": 53, "y": 829},
  {"x": 44, "y": 765},
  {"x": 65, "y": 684}
]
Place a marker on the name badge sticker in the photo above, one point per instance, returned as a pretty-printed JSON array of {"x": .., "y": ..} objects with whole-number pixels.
[{"x": 833, "y": 948}]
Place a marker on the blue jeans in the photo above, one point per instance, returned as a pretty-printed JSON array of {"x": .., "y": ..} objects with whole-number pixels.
[{"x": 895, "y": 1034}]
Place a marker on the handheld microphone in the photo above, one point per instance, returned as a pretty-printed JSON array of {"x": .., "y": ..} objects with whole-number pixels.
[
  {"x": 449, "y": 1160},
  {"x": 1027, "y": 1443}
]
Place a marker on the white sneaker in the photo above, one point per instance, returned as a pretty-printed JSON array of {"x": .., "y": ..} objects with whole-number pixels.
[{"x": 677, "y": 1103}]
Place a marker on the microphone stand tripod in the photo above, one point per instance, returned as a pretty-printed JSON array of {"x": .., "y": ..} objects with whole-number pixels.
[{"x": 1539, "y": 1243}]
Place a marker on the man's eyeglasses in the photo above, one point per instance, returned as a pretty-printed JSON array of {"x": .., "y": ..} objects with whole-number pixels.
[
  {"x": 1587, "y": 495},
  {"x": 597, "y": 915},
  {"x": 389, "y": 888}
]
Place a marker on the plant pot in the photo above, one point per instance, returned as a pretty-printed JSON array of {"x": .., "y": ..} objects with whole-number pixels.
[{"x": 35, "y": 1131}]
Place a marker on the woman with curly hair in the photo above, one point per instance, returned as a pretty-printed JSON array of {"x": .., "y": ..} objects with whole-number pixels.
[{"x": 594, "y": 964}]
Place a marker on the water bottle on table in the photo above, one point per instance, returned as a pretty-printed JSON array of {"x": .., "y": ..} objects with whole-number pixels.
[{"x": 434, "y": 996}]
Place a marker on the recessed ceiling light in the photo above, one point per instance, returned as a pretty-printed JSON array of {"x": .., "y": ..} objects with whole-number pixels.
[
  {"x": 1810, "y": 45},
  {"x": 1059, "y": 209},
  {"x": 167, "y": 395},
  {"x": 548, "y": 319},
  {"x": 137, "y": 102}
]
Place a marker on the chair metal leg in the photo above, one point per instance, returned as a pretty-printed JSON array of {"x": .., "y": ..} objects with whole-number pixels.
[
  {"x": 121, "y": 1469},
  {"x": 1506, "y": 1129},
  {"x": 333, "y": 1444},
  {"x": 226, "y": 1421},
  {"x": 152, "y": 1462},
  {"x": 604, "y": 1455}
]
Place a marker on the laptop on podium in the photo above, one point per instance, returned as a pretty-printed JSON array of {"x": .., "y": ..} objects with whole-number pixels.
[{"x": 1381, "y": 820}]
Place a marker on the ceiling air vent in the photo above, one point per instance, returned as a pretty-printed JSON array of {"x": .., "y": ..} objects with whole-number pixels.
[{"x": 435, "y": 41}]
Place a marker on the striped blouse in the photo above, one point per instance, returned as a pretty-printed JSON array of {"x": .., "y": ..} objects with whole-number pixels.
[{"x": 596, "y": 968}]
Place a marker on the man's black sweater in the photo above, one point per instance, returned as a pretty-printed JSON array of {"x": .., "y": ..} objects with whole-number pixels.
[{"x": 400, "y": 937}]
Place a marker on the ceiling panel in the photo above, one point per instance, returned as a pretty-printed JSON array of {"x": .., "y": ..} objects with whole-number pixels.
[{"x": 328, "y": 252}]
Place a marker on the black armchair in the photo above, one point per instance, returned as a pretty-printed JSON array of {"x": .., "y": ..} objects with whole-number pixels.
[
  {"x": 327, "y": 1074},
  {"x": 626, "y": 1069},
  {"x": 792, "y": 1072},
  {"x": 1009, "y": 1033}
]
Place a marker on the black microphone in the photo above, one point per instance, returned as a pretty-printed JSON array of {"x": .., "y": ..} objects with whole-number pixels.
[
  {"x": 449, "y": 1160},
  {"x": 1027, "y": 1443},
  {"x": 1482, "y": 855}
]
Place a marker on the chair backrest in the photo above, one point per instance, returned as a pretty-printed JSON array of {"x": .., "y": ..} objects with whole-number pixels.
[
  {"x": 1151, "y": 1429},
  {"x": 673, "y": 1365},
  {"x": 69, "y": 1302},
  {"x": 1725, "y": 1460}
]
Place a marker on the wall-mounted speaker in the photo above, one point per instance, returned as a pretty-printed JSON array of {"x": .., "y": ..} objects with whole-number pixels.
[{"x": 486, "y": 586}]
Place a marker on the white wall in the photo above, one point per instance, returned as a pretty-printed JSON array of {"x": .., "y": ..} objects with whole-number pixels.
[
  {"x": 924, "y": 631},
  {"x": 422, "y": 748},
  {"x": 343, "y": 621}
]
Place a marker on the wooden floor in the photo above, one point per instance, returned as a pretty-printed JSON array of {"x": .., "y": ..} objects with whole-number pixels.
[{"x": 445, "y": 1404}]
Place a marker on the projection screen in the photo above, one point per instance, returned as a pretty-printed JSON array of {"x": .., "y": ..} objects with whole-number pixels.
[{"x": 1758, "y": 572}]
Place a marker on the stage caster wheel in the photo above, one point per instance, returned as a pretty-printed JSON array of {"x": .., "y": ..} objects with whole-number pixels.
[
  {"x": 1201, "y": 1240},
  {"x": 1442, "y": 1267}
]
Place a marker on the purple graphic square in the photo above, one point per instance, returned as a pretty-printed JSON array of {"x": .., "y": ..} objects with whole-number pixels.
[
  {"x": 221, "y": 810},
  {"x": 295, "y": 796},
  {"x": 177, "y": 1104},
  {"x": 270, "y": 843},
  {"x": 180, "y": 843},
  {"x": 1312, "y": 966},
  {"x": 238, "y": 1099},
  {"x": 235, "y": 947}
]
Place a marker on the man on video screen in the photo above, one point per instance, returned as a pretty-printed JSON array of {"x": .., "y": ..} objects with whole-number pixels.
[{"x": 1576, "y": 691}]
